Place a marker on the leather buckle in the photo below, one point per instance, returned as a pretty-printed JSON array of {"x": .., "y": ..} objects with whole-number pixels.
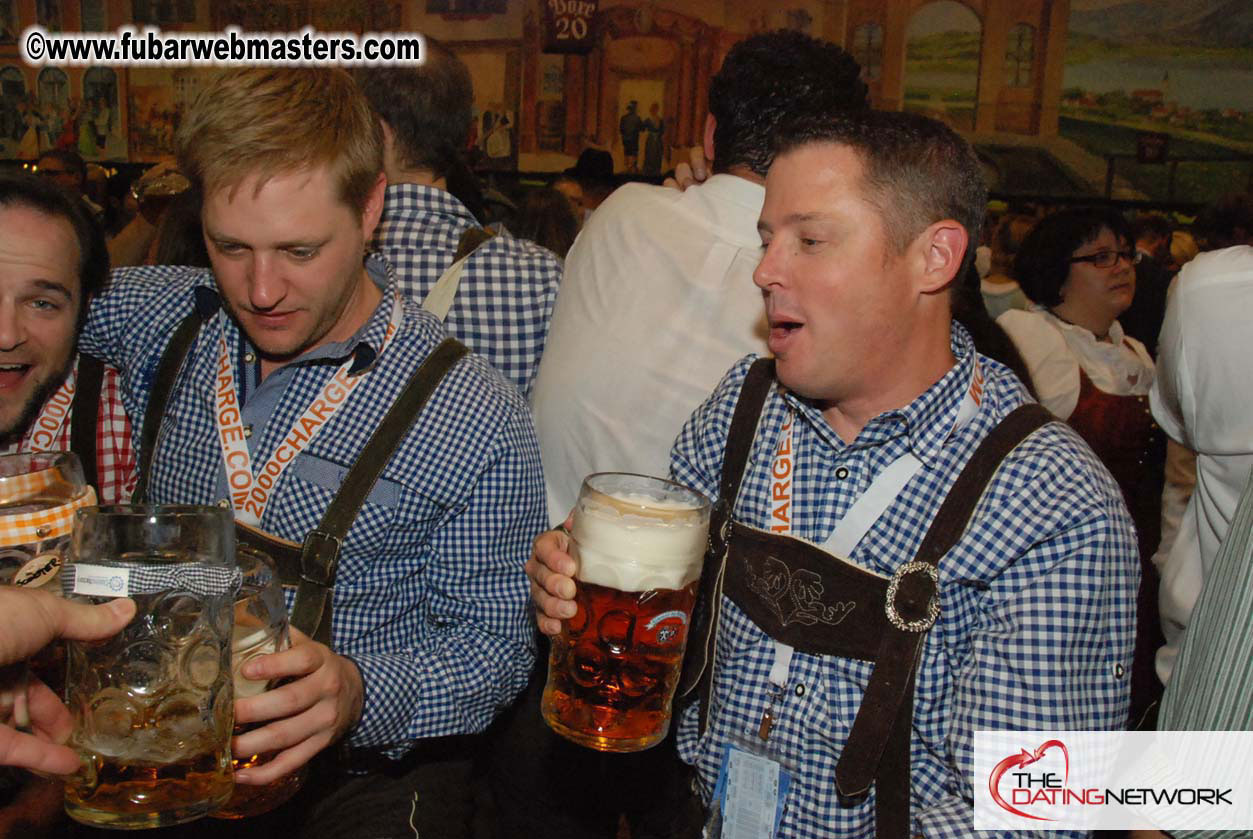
[
  {"x": 317, "y": 558},
  {"x": 933, "y": 605}
]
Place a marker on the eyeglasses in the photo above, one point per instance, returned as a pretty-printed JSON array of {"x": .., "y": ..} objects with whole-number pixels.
[{"x": 1107, "y": 259}]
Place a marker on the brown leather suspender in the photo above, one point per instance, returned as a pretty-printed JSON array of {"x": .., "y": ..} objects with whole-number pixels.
[
  {"x": 85, "y": 414},
  {"x": 804, "y": 597}
]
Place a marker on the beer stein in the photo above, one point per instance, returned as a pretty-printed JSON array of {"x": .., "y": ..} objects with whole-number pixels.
[
  {"x": 152, "y": 707},
  {"x": 612, "y": 672},
  {"x": 260, "y": 629},
  {"x": 39, "y": 493}
]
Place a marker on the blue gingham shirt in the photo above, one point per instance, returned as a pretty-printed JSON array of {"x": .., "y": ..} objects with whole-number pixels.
[
  {"x": 1037, "y": 598},
  {"x": 507, "y": 290},
  {"x": 430, "y": 600}
]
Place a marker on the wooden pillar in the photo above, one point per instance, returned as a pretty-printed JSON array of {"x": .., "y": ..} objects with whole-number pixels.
[
  {"x": 1055, "y": 21},
  {"x": 991, "y": 65},
  {"x": 576, "y": 71},
  {"x": 892, "y": 81}
]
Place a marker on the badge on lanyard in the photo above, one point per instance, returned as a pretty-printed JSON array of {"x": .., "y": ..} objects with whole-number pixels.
[{"x": 750, "y": 793}]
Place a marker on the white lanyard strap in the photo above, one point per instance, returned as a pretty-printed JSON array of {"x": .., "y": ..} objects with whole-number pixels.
[
  {"x": 864, "y": 512},
  {"x": 250, "y": 491},
  {"x": 45, "y": 433},
  {"x": 439, "y": 299}
]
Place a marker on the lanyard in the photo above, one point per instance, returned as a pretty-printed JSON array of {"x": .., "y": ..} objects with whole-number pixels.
[
  {"x": 250, "y": 490},
  {"x": 861, "y": 516},
  {"x": 45, "y": 434}
]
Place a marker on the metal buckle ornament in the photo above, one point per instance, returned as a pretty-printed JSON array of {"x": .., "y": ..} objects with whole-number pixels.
[{"x": 933, "y": 607}]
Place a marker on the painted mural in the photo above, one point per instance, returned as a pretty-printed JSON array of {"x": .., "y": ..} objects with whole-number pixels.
[
  {"x": 1123, "y": 69},
  {"x": 1183, "y": 68}
]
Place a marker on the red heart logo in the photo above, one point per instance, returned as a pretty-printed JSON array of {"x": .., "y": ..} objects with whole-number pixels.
[{"x": 1025, "y": 758}]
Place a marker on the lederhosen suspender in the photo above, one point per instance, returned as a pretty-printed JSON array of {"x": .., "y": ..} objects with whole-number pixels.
[
  {"x": 85, "y": 414},
  {"x": 310, "y": 567},
  {"x": 806, "y": 598}
]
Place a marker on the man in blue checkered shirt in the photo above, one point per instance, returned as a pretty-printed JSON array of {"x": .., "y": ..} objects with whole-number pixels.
[
  {"x": 867, "y": 220},
  {"x": 508, "y": 286},
  {"x": 430, "y": 632}
]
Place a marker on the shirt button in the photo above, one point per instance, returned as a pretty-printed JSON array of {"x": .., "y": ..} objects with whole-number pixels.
[
  {"x": 1118, "y": 671},
  {"x": 248, "y": 431},
  {"x": 841, "y": 473},
  {"x": 249, "y": 357},
  {"x": 224, "y": 503},
  {"x": 800, "y": 690}
]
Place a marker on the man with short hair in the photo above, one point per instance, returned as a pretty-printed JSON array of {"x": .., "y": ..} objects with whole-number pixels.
[
  {"x": 501, "y": 305},
  {"x": 1143, "y": 318},
  {"x": 657, "y": 299},
  {"x": 52, "y": 262},
  {"x": 296, "y": 355},
  {"x": 1009, "y": 607}
]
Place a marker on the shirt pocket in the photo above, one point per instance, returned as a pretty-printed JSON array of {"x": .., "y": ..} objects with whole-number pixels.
[{"x": 315, "y": 481}]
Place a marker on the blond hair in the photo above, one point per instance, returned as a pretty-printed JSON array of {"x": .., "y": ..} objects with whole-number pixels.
[{"x": 267, "y": 121}]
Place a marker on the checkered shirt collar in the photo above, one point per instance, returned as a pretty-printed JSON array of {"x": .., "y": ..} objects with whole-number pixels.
[
  {"x": 418, "y": 200},
  {"x": 926, "y": 422},
  {"x": 364, "y": 344}
]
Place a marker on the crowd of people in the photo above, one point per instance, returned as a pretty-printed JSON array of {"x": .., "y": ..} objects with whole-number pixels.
[{"x": 989, "y": 434}]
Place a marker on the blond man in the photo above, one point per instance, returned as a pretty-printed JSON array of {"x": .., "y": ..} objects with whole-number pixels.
[{"x": 413, "y": 612}]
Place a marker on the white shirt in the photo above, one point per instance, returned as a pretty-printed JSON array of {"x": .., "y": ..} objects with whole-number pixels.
[
  {"x": 1203, "y": 398},
  {"x": 656, "y": 304},
  {"x": 1054, "y": 350}
]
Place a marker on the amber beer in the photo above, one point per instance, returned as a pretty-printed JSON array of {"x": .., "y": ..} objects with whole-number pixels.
[
  {"x": 117, "y": 791},
  {"x": 613, "y": 669}
]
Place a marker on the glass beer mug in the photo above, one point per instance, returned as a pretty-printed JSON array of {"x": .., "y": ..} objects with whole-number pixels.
[
  {"x": 260, "y": 629},
  {"x": 39, "y": 493},
  {"x": 613, "y": 670},
  {"x": 152, "y": 707}
]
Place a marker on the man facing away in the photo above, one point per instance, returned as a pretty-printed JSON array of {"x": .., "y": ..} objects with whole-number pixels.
[
  {"x": 657, "y": 298},
  {"x": 502, "y": 307},
  {"x": 875, "y": 403},
  {"x": 297, "y": 350},
  {"x": 52, "y": 261}
]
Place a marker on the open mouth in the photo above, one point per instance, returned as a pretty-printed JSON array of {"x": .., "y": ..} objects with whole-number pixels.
[{"x": 12, "y": 375}]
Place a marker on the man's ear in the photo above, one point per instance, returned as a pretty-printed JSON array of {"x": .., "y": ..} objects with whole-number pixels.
[
  {"x": 711, "y": 125},
  {"x": 943, "y": 246}
]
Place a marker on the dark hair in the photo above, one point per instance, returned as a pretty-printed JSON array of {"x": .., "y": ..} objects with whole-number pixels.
[
  {"x": 988, "y": 336},
  {"x": 1227, "y": 222},
  {"x": 546, "y": 218},
  {"x": 180, "y": 236},
  {"x": 1042, "y": 263},
  {"x": 917, "y": 171},
  {"x": 771, "y": 77},
  {"x": 1151, "y": 224},
  {"x": 427, "y": 107},
  {"x": 23, "y": 190},
  {"x": 72, "y": 160}
]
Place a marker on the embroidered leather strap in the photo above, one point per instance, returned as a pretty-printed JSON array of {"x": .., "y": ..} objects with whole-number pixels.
[{"x": 890, "y": 689}]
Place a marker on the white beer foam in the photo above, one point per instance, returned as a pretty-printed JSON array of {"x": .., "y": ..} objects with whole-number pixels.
[{"x": 637, "y": 552}]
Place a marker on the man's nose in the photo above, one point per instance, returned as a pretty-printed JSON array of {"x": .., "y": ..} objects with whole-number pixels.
[
  {"x": 769, "y": 271},
  {"x": 12, "y": 330},
  {"x": 266, "y": 287}
]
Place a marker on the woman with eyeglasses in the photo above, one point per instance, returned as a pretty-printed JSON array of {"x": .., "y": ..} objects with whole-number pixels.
[{"x": 1078, "y": 266}]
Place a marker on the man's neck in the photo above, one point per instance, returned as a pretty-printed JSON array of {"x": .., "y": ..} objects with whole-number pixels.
[
  {"x": 747, "y": 174},
  {"x": 850, "y": 415},
  {"x": 422, "y": 177}
]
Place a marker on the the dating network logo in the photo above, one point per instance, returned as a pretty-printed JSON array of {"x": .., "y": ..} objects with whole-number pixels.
[{"x": 1028, "y": 787}]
